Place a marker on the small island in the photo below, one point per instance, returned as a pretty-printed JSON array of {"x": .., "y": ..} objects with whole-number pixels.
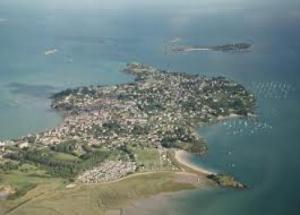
[
  {"x": 117, "y": 141},
  {"x": 230, "y": 47}
]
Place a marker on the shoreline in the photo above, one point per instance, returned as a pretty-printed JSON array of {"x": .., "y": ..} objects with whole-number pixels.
[
  {"x": 190, "y": 49},
  {"x": 188, "y": 173},
  {"x": 181, "y": 157}
]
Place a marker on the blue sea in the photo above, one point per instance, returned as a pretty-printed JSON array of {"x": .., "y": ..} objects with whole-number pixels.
[{"x": 91, "y": 41}]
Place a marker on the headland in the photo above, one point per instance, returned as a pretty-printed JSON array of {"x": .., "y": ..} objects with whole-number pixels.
[{"x": 123, "y": 136}]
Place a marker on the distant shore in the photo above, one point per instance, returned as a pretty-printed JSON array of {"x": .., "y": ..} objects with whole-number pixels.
[
  {"x": 236, "y": 47},
  {"x": 182, "y": 157},
  {"x": 191, "y": 49}
]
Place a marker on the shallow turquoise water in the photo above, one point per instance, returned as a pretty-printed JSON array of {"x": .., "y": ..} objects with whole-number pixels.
[{"x": 95, "y": 40}]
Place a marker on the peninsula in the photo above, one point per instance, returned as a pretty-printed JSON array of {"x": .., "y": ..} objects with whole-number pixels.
[{"x": 124, "y": 136}]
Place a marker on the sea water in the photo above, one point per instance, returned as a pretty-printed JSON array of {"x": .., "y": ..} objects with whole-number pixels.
[{"x": 94, "y": 40}]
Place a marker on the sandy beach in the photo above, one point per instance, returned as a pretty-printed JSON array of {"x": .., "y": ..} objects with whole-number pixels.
[
  {"x": 190, "y": 49},
  {"x": 197, "y": 49},
  {"x": 183, "y": 158}
]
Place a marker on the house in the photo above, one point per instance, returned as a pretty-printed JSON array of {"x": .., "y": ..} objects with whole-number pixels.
[{"x": 23, "y": 145}]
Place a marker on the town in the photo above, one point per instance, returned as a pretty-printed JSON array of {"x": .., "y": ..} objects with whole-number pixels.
[{"x": 109, "y": 132}]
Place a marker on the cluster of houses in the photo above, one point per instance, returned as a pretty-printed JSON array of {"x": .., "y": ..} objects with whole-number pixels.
[{"x": 107, "y": 171}]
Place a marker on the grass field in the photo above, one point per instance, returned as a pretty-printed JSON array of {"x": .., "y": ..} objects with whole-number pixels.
[
  {"x": 25, "y": 178},
  {"x": 147, "y": 157},
  {"x": 65, "y": 157},
  {"x": 52, "y": 198},
  {"x": 40, "y": 193}
]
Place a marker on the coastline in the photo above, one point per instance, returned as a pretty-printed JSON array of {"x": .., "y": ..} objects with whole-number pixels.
[
  {"x": 182, "y": 157},
  {"x": 191, "y": 49},
  {"x": 188, "y": 173},
  {"x": 97, "y": 106}
]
